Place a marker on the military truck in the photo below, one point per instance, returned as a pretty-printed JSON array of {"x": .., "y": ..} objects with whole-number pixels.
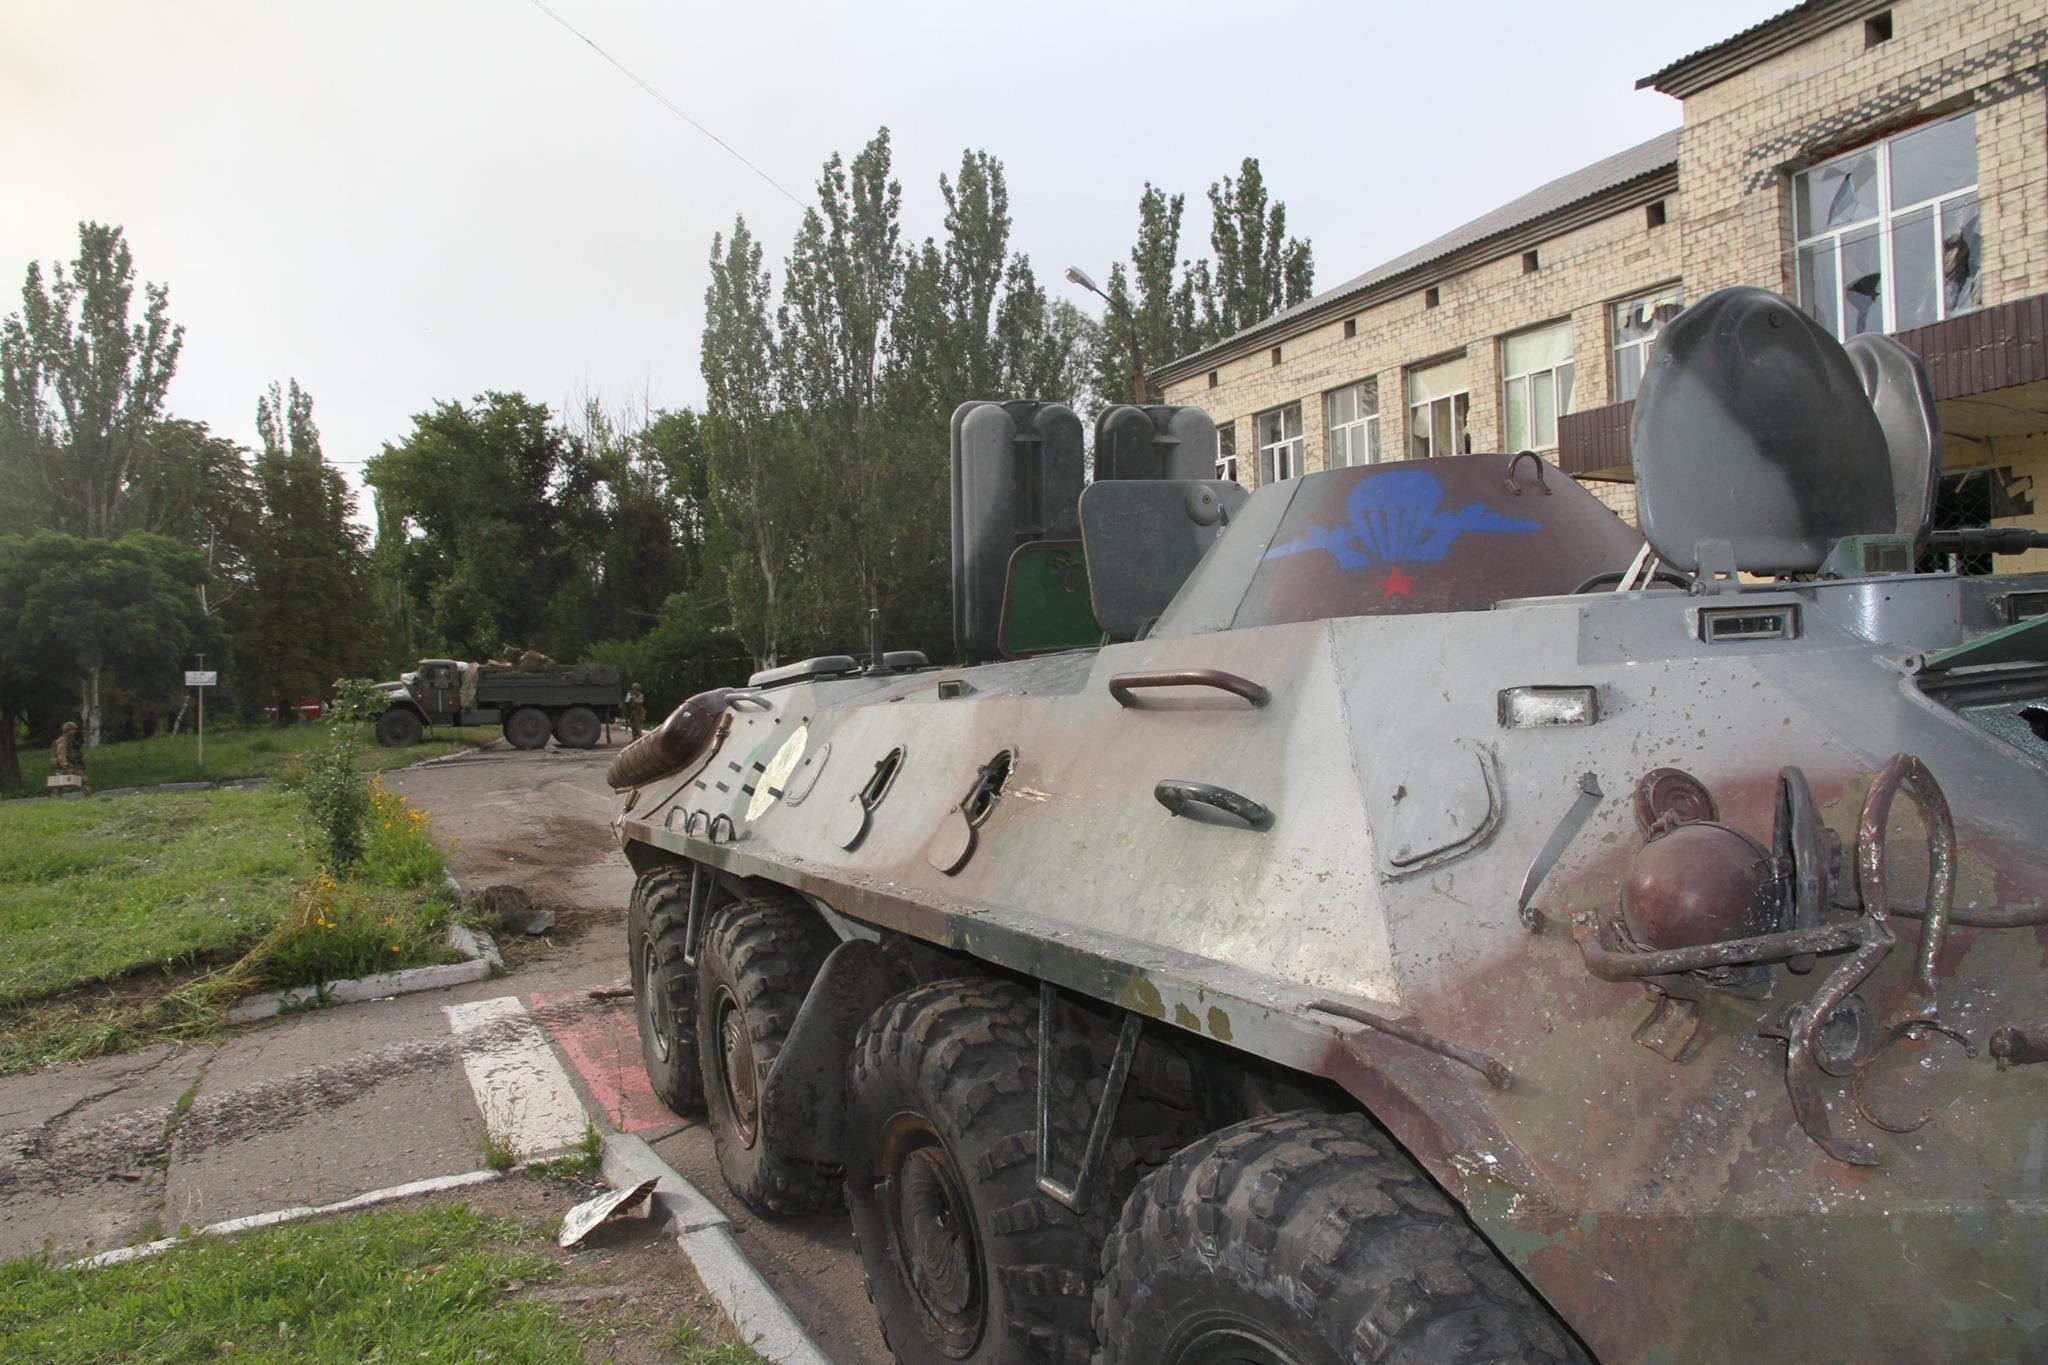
[
  {"x": 1441, "y": 922},
  {"x": 572, "y": 702}
]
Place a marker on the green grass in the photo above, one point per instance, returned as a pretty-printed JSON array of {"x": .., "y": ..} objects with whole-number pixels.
[
  {"x": 260, "y": 752},
  {"x": 411, "y": 1284},
  {"x": 90, "y": 890},
  {"x": 140, "y": 892}
]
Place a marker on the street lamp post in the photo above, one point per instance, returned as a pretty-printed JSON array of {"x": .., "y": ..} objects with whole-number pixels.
[{"x": 1075, "y": 275}]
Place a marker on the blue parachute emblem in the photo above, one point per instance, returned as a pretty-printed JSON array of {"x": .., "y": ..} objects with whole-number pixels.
[{"x": 1398, "y": 517}]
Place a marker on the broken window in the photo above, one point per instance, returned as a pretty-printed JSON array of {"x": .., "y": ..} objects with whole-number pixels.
[
  {"x": 1903, "y": 210},
  {"x": 1636, "y": 324}
]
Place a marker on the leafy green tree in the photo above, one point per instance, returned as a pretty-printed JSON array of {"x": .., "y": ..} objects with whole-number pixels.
[
  {"x": 1259, "y": 268},
  {"x": 72, "y": 608},
  {"x": 304, "y": 617},
  {"x": 841, "y": 287},
  {"x": 755, "y": 478},
  {"x": 81, "y": 386},
  {"x": 477, "y": 492},
  {"x": 1181, "y": 305},
  {"x": 1045, "y": 348},
  {"x": 690, "y": 650}
]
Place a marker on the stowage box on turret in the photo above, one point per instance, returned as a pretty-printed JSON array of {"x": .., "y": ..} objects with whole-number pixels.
[{"x": 1403, "y": 913}]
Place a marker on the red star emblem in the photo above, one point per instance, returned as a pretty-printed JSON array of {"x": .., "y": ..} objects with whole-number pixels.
[{"x": 1396, "y": 583}]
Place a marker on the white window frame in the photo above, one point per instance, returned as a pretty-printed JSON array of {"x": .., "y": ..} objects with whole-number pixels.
[
  {"x": 1455, "y": 403},
  {"x": 1640, "y": 349},
  {"x": 1556, "y": 378},
  {"x": 1357, "y": 441},
  {"x": 1226, "y": 450},
  {"x": 1280, "y": 458},
  {"x": 1884, "y": 224}
]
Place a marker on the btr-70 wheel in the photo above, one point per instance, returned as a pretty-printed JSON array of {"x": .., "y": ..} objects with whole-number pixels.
[
  {"x": 1308, "y": 1239},
  {"x": 760, "y": 955},
  {"x": 665, "y": 986},
  {"x": 965, "y": 1258}
]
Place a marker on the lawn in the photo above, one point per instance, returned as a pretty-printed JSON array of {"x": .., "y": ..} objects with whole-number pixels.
[
  {"x": 138, "y": 894},
  {"x": 259, "y": 752},
  {"x": 434, "y": 1283}
]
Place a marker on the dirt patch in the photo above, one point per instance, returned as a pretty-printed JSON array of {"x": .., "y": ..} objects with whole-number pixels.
[{"x": 626, "y": 1286}]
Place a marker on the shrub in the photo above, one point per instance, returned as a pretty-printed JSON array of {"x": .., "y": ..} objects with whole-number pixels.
[{"x": 327, "y": 779}]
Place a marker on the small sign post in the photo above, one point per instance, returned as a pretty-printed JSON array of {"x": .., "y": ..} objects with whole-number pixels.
[{"x": 201, "y": 678}]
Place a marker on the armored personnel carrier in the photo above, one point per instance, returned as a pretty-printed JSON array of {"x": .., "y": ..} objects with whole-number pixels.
[{"x": 1405, "y": 913}]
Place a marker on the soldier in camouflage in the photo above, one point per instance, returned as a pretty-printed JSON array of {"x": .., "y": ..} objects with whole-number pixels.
[
  {"x": 67, "y": 755},
  {"x": 636, "y": 709}
]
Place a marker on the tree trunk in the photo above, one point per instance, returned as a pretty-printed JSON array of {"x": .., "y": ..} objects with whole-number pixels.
[
  {"x": 92, "y": 709},
  {"x": 10, "y": 760}
]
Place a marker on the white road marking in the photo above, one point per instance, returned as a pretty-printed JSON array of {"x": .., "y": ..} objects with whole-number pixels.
[{"x": 524, "y": 1093}]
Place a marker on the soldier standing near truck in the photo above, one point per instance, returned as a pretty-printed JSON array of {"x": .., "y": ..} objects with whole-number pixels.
[{"x": 636, "y": 709}]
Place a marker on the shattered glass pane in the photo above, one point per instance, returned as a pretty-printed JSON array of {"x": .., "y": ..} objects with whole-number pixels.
[
  {"x": 1961, "y": 257},
  {"x": 1843, "y": 191},
  {"x": 1862, "y": 283}
]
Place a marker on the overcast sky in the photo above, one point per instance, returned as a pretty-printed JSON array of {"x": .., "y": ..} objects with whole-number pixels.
[{"x": 403, "y": 202}]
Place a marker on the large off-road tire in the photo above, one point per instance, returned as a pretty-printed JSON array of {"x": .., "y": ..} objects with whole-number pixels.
[
  {"x": 528, "y": 728},
  {"x": 759, "y": 957},
  {"x": 1308, "y": 1238},
  {"x": 577, "y": 728},
  {"x": 398, "y": 728},
  {"x": 964, "y": 1257},
  {"x": 665, "y": 986}
]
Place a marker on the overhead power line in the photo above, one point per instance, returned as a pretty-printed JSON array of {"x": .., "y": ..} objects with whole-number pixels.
[{"x": 667, "y": 103}]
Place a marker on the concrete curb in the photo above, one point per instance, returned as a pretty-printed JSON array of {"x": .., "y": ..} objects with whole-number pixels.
[
  {"x": 436, "y": 1185},
  {"x": 704, "y": 1233},
  {"x": 481, "y": 953}
]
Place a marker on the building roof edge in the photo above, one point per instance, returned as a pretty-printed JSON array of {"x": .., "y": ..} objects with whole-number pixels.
[
  {"x": 1551, "y": 203},
  {"x": 1735, "y": 54}
]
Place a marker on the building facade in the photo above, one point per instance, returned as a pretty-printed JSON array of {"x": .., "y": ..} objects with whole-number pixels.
[{"x": 1886, "y": 165}]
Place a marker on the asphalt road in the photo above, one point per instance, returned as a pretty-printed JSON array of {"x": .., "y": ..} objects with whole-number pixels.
[{"x": 316, "y": 1107}]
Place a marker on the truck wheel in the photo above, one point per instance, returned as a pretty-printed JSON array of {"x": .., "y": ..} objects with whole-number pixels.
[
  {"x": 964, "y": 1257},
  {"x": 577, "y": 728},
  {"x": 1308, "y": 1238},
  {"x": 760, "y": 955},
  {"x": 398, "y": 728},
  {"x": 665, "y": 986},
  {"x": 528, "y": 728}
]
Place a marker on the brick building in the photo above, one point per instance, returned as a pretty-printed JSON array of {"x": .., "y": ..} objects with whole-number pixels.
[{"x": 1884, "y": 164}]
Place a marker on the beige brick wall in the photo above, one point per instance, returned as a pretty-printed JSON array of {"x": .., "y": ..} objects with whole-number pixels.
[
  {"x": 1744, "y": 137},
  {"x": 1580, "y": 273}
]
